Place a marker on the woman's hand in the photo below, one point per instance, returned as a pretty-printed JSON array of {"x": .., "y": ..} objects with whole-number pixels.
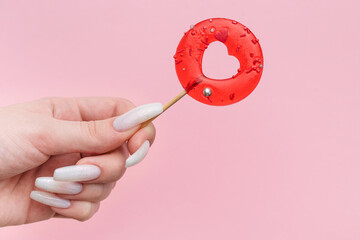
[{"x": 72, "y": 150}]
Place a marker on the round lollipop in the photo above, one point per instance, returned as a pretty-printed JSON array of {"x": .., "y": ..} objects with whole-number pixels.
[{"x": 240, "y": 42}]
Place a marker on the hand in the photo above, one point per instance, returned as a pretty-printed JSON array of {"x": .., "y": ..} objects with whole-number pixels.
[{"x": 77, "y": 139}]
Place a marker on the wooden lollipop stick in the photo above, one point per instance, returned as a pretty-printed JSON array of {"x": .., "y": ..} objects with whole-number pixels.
[
  {"x": 174, "y": 100},
  {"x": 166, "y": 106}
]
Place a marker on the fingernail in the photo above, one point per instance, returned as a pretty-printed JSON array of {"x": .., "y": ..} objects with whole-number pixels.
[
  {"x": 49, "y": 199},
  {"x": 50, "y": 185},
  {"x": 77, "y": 173},
  {"x": 137, "y": 115},
  {"x": 138, "y": 155}
]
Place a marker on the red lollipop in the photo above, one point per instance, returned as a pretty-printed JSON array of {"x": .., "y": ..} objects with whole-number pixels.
[{"x": 240, "y": 42}]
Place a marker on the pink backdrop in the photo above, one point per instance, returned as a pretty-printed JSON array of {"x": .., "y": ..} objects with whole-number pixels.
[{"x": 282, "y": 164}]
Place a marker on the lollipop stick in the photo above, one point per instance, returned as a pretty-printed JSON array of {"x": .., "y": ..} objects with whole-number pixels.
[
  {"x": 174, "y": 100},
  {"x": 166, "y": 106}
]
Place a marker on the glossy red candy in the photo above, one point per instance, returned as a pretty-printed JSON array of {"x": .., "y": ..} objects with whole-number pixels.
[{"x": 240, "y": 42}]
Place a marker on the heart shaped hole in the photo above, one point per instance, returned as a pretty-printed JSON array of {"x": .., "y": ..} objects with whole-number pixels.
[{"x": 217, "y": 64}]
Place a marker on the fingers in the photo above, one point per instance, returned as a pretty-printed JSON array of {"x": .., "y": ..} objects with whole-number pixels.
[
  {"x": 137, "y": 115},
  {"x": 50, "y": 185},
  {"x": 146, "y": 133},
  {"x": 75, "y": 191},
  {"x": 97, "y": 108},
  {"x": 86, "y": 137},
  {"x": 93, "y": 192},
  {"x": 49, "y": 199},
  {"x": 97, "y": 136},
  {"x": 81, "y": 206},
  {"x": 87, "y": 108},
  {"x": 95, "y": 176},
  {"x": 79, "y": 210},
  {"x": 139, "y": 144},
  {"x": 139, "y": 155},
  {"x": 111, "y": 166},
  {"x": 103, "y": 168}
]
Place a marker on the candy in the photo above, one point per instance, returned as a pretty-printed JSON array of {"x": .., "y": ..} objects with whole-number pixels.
[{"x": 240, "y": 42}]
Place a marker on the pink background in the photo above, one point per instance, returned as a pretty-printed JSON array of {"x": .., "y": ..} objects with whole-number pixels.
[{"x": 282, "y": 164}]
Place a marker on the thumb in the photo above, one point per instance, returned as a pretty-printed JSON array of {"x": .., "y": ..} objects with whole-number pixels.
[{"x": 98, "y": 136}]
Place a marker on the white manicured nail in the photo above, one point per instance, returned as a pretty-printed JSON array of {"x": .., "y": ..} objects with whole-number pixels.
[
  {"x": 50, "y": 185},
  {"x": 137, "y": 115},
  {"x": 49, "y": 199},
  {"x": 77, "y": 173},
  {"x": 138, "y": 155}
]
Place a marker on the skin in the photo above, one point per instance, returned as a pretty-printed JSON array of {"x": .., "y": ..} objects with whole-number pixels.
[{"x": 40, "y": 136}]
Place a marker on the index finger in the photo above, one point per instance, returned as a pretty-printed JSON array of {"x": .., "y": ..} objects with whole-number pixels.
[{"x": 88, "y": 108}]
